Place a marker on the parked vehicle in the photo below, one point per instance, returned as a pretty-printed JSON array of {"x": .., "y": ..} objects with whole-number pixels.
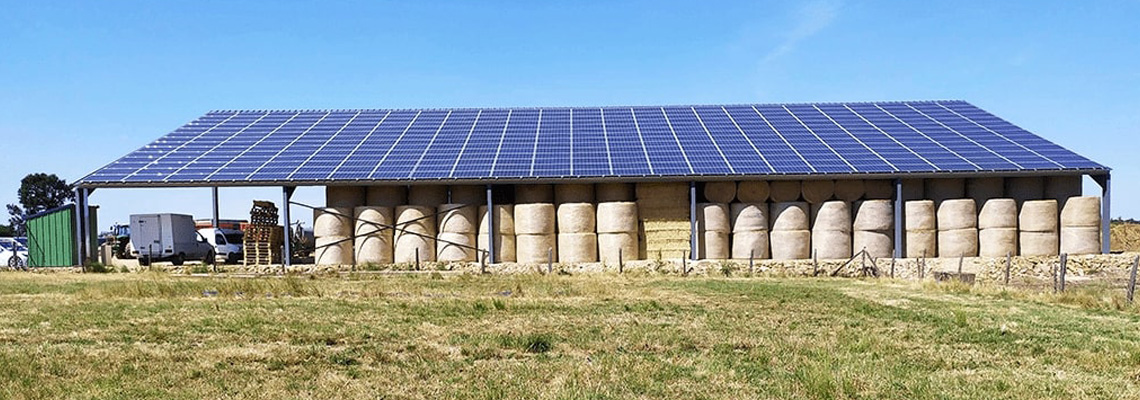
[
  {"x": 13, "y": 253},
  {"x": 227, "y": 243},
  {"x": 172, "y": 237},
  {"x": 120, "y": 237}
]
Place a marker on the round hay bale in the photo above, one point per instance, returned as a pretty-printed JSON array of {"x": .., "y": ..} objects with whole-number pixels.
[
  {"x": 617, "y": 217},
  {"x": 374, "y": 221},
  {"x": 876, "y": 243},
  {"x": 457, "y": 218},
  {"x": 344, "y": 196},
  {"x": 831, "y": 244},
  {"x": 714, "y": 246},
  {"x": 982, "y": 189},
  {"x": 416, "y": 219},
  {"x": 409, "y": 245},
  {"x": 874, "y": 215},
  {"x": 850, "y": 189},
  {"x": 467, "y": 194},
  {"x": 1062, "y": 188},
  {"x": 373, "y": 249},
  {"x": 576, "y": 218},
  {"x": 1036, "y": 244},
  {"x": 1038, "y": 216},
  {"x": 532, "y": 249},
  {"x": 613, "y": 245},
  {"x": 534, "y": 219},
  {"x": 720, "y": 192},
  {"x": 1081, "y": 212},
  {"x": 790, "y": 245},
  {"x": 920, "y": 215},
  {"x": 921, "y": 243},
  {"x": 574, "y": 193},
  {"x": 1080, "y": 240},
  {"x": 504, "y": 247},
  {"x": 713, "y": 217},
  {"x": 817, "y": 191},
  {"x": 789, "y": 216},
  {"x": 874, "y": 189},
  {"x": 782, "y": 191},
  {"x": 956, "y": 214},
  {"x": 833, "y": 216},
  {"x": 332, "y": 221},
  {"x": 944, "y": 189},
  {"x": 997, "y": 242},
  {"x": 577, "y": 248},
  {"x": 913, "y": 189},
  {"x": 427, "y": 195},
  {"x": 662, "y": 193},
  {"x": 333, "y": 250},
  {"x": 753, "y": 191},
  {"x": 749, "y": 217},
  {"x": 504, "y": 219},
  {"x": 610, "y": 192},
  {"x": 998, "y": 213},
  {"x": 1024, "y": 189},
  {"x": 455, "y": 247},
  {"x": 958, "y": 242},
  {"x": 386, "y": 195},
  {"x": 526, "y": 194},
  {"x": 746, "y": 244}
]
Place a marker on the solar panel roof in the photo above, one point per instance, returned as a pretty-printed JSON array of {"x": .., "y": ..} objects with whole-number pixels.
[{"x": 276, "y": 147}]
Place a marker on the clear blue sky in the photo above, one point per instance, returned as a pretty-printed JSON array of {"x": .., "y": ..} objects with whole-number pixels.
[{"x": 83, "y": 83}]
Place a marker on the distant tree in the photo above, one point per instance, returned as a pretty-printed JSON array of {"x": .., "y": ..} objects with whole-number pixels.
[
  {"x": 38, "y": 192},
  {"x": 6, "y": 230}
]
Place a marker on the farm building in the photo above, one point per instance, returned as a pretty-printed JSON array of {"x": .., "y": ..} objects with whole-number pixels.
[{"x": 603, "y": 184}]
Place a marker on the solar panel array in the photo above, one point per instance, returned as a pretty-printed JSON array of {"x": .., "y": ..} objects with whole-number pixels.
[{"x": 261, "y": 147}]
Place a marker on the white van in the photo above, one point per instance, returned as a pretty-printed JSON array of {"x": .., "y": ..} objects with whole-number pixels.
[
  {"x": 156, "y": 237},
  {"x": 226, "y": 242}
]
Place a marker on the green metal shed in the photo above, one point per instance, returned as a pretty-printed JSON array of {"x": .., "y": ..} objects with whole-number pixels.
[{"x": 51, "y": 237}]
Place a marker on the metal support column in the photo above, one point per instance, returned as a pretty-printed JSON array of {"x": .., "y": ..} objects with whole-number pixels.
[
  {"x": 899, "y": 236},
  {"x": 693, "y": 221},
  {"x": 490, "y": 227},
  {"x": 85, "y": 223},
  {"x": 1105, "y": 182},
  {"x": 78, "y": 228},
  {"x": 286, "y": 195},
  {"x": 214, "y": 219}
]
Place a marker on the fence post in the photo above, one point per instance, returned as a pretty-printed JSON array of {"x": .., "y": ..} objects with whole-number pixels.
[
  {"x": 417, "y": 258},
  {"x": 1064, "y": 269},
  {"x": 1053, "y": 272},
  {"x": 550, "y": 261},
  {"x": 814, "y": 263},
  {"x": 1132, "y": 279},
  {"x": 621, "y": 265},
  {"x": 684, "y": 265},
  {"x": 892, "y": 268},
  {"x": 751, "y": 262},
  {"x": 1008, "y": 264},
  {"x": 922, "y": 266}
]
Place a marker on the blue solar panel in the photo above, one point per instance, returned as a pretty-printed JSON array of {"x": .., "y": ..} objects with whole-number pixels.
[{"x": 263, "y": 147}]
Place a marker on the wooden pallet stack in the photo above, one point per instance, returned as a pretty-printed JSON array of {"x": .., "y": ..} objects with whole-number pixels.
[{"x": 263, "y": 238}]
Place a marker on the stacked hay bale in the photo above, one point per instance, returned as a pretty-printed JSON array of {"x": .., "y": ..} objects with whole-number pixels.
[
  {"x": 782, "y": 191},
  {"x": 944, "y": 189},
  {"x": 577, "y": 240},
  {"x": 818, "y": 191},
  {"x": 983, "y": 189},
  {"x": 1038, "y": 228},
  {"x": 831, "y": 230},
  {"x": 607, "y": 192},
  {"x": 344, "y": 196},
  {"x": 617, "y": 230},
  {"x": 1061, "y": 188},
  {"x": 749, "y": 230},
  {"x": 753, "y": 191},
  {"x": 720, "y": 192},
  {"x": 457, "y": 228},
  {"x": 664, "y": 212},
  {"x": 1024, "y": 189},
  {"x": 957, "y": 228},
  {"x": 533, "y": 194},
  {"x": 467, "y": 194},
  {"x": 415, "y": 232},
  {"x": 874, "y": 228},
  {"x": 874, "y": 189},
  {"x": 1080, "y": 226},
  {"x": 997, "y": 228},
  {"x": 535, "y": 237},
  {"x": 790, "y": 237},
  {"x": 427, "y": 195},
  {"x": 921, "y": 229},
  {"x": 714, "y": 227},
  {"x": 374, "y": 234},
  {"x": 504, "y": 221},
  {"x": 851, "y": 189},
  {"x": 332, "y": 231},
  {"x": 386, "y": 196}
]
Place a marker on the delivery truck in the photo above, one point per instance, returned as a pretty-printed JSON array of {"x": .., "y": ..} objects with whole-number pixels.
[{"x": 168, "y": 237}]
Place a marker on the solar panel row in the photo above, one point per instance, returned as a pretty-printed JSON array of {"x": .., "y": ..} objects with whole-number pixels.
[{"x": 894, "y": 137}]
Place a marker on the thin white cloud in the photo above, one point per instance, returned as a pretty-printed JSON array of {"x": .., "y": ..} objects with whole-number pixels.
[{"x": 809, "y": 19}]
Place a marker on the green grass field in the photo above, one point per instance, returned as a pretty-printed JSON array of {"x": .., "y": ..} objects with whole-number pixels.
[{"x": 553, "y": 337}]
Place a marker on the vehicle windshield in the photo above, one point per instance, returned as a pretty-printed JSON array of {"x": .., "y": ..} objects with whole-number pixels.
[
  {"x": 233, "y": 238},
  {"x": 6, "y": 245}
]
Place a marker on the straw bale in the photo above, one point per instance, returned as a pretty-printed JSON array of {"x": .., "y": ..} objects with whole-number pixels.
[
  {"x": 1061, "y": 188},
  {"x": 532, "y": 249},
  {"x": 610, "y": 192},
  {"x": 818, "y": 191},
  {"x": 831, "y": 244},
  {"x": 504, "y": 246},
  {"x": 998, "y": 213},
  {"x": 534, "y": 218},
  {"x": 574, "y": 193},
  {"x": 504, "y": 219},
  {"x": 416, "y": 219},
  {"x": 576, "y": 218},
  {"x": 408, "y": 245},
  {"x": 386, "y": 195},
  {"x": 1080, "y": 240},
  {"x": 344, "y": 196},
  {"x": 790, "y": 244},
  {"x": 454, "y": 247},
  {"x": 611, "y": 244},
  {"x": 1039, "y": 216},
  {"x": 374, "y": 239},
  {"x": 427, "y": 195},
  {"x": 957, "y": 214},
  {"x": 1035, "y": 244},
  {"x": 958, "y": 242},
  {"x": 468, "y": 194},
  {"x": 921, "y": 243},
  {"x": 850, "y": 189},
  {"x": 720, "y": 192},
  {"x": 714, "y": 246},
  {"x": 920, "y": 215},
  {"x": 747, "y": 244},
  {"x": 944, "y": 189},
  {"x": 1081, "y": 212},
  {"x": 997, "y": 242},
  {"x": 333, "y": 250},
  {"x": 874, "y": 215},
  {"x": 833, "y": 216},
  {"x": 713, "y": 217},
  {"x": 784, "y": 191},
  {"x": 525, "y": 194},
  {"x": 332, "y": 221},
  {"x": 577, "y": 247},
  {"x": 753, "y": 191},
  {"x": 789, "y": 216},
  {"x": 877, "y": 243},
  {"x": 617, "y": 217},
  {"x": 749, "y": 217},
  {"x": 457, "y": 218}
]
